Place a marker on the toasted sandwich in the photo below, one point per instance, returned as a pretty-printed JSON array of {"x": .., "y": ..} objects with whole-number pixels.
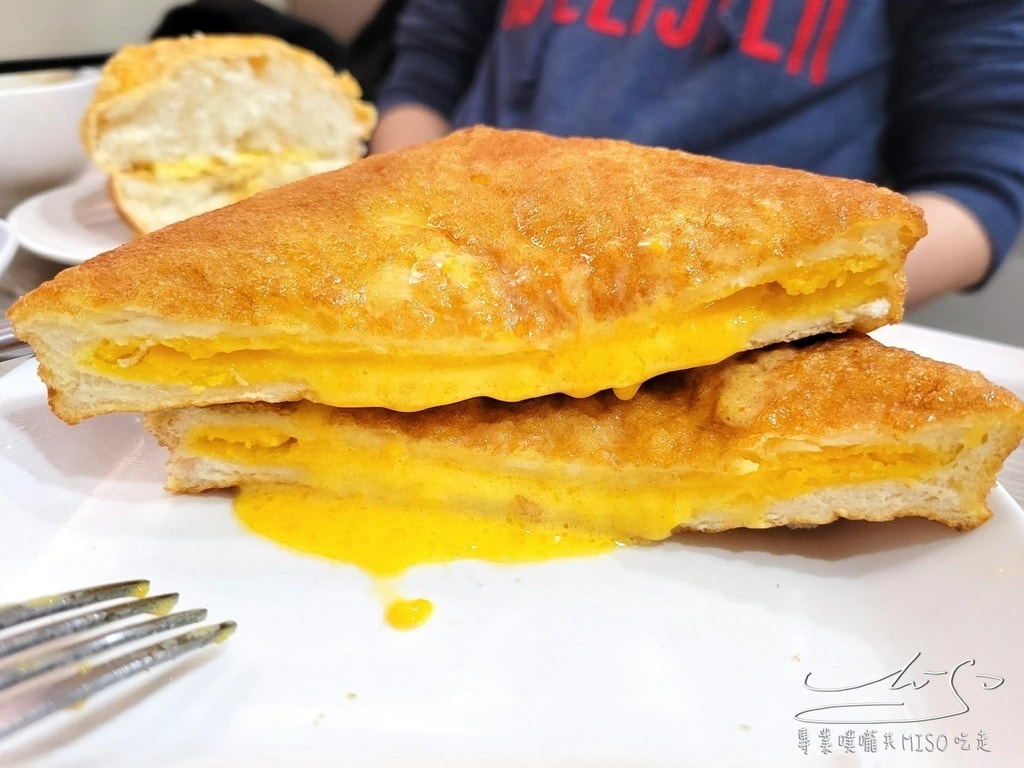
[
  {"x": 494, "y": 263},
  {"x": 797, "y": 434},
  {"x": 186, "y": 125}
]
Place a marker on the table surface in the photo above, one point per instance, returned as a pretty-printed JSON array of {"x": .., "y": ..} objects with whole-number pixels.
[{"x": 1002, "y": 363}]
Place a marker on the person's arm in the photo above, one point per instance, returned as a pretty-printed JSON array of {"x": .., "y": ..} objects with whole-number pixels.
[
  {"x": 955, "y": 254},
  {"x": 406, "y": 124},
  {"x": 956, "y": 145},
  {"x": 439, "y": 43}
]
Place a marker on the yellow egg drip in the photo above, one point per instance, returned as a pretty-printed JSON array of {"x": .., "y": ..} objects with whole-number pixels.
[
  {"x": 385, "y": 540},
  {"x": 408, "y": 614}
]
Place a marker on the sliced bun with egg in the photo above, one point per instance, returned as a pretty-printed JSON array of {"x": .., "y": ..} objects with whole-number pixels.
[
  {"x": 187, "y": 125},
  {"x": 794, "y": 435},
  {"x": 506, "y": 264}
]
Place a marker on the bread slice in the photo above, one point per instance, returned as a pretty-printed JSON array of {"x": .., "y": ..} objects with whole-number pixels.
[
  {"x": 507, "y": 264},
  {"x": 186, "y": 125},
  {"x": 794, "y": 435}
]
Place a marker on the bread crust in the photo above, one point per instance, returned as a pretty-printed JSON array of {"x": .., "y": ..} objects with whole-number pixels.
[{"x": 483, "y": 233}]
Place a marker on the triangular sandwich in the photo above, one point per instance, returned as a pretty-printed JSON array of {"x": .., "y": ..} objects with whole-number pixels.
[{"x": 492, "y": 263}]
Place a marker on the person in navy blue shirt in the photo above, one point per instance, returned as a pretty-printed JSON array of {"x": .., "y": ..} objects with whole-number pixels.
[{"x": 924, "y": 96}]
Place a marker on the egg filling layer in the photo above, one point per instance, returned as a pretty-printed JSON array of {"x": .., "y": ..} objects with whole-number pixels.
[{"x": 412, "y": 375}]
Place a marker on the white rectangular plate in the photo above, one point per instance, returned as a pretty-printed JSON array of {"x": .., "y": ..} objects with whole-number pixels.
[{"x": 704, "y": 651}]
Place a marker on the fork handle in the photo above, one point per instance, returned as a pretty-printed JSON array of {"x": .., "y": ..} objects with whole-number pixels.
[{"x": 11, "y": 346}]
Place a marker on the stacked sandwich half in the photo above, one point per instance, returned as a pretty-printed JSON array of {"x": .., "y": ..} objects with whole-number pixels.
[{"x": 584, "y": 332}]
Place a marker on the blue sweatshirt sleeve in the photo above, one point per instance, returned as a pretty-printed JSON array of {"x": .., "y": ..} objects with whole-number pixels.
[
  {"x": 957, "y": 110},
  {"x": 441, "y": 42}
]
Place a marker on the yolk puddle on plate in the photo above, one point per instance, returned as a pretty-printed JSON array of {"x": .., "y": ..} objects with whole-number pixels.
[{"x": 384, "y": 540}]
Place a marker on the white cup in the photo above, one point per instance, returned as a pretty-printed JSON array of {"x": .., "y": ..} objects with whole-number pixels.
[
  {"x": 40, "y": 114},
  {"x": 8, "y": 245}
]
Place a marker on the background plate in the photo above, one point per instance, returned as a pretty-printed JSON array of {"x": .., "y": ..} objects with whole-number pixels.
[
  {"x": 72, "y": 223},
  {"x": 693, "y": 652}
]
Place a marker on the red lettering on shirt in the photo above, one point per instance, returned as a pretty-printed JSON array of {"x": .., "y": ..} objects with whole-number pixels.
[
  {"x": 678, "y": 23},
  {"x": 642, "y": 16},
  {"x": 676, "y": 33},
  {"x": 563, "y": 13},
  {"x": 752, "y": 41},
  {"x": 599, "y": 20},
  {"x": 804, "y": 34},
  {"x": 521, "y": 13},
  {"x": 833, "y": 22}
]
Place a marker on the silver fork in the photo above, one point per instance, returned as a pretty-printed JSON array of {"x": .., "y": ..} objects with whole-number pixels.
[
  {"x": 32, "y": 685},
  {"x": 11, "y": 347}
]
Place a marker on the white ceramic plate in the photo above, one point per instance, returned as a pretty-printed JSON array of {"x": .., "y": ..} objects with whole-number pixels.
[
  {"x": 8, "y": 245},
  {"x": 72, "y": 223},
  {"x": 693, "y": 652}
]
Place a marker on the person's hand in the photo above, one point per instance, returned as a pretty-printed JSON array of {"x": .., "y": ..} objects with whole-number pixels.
[{"x": 407, "y": 124}]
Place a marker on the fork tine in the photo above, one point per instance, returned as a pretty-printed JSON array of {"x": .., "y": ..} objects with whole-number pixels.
[
  {"x": 38, "y": 701},
  {"x": 158, "y": 604},
  {"x": 39, "y": 607},
  {"x": 38, "y": 665}
]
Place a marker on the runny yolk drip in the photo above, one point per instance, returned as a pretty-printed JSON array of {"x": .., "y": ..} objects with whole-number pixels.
[
  {"x": 401, "y": 612},
  {"x": 408, "y": 614},
  {"x": 386, "y": 540}
]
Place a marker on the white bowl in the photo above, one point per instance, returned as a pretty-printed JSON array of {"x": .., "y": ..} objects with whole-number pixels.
[
  {"x": 8, "y": 245},
  {"x": 40, "y": 113}
]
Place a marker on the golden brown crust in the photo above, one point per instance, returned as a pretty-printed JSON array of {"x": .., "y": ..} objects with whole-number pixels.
[
  {"x": 144, "y": 66},
  {"x": 486, "y": 232}
]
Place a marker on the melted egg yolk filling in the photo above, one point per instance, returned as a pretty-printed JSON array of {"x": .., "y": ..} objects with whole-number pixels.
[
  {"x": 385, "y": 505},
  {"x": 619, "y": 355}
]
